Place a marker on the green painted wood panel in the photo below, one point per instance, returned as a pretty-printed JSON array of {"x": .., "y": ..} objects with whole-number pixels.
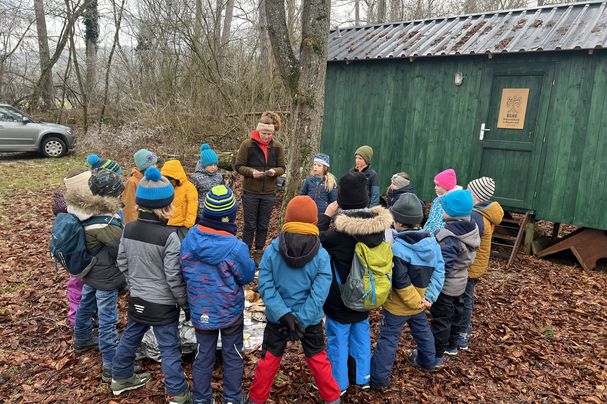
[{"x": 418, "y": 121}]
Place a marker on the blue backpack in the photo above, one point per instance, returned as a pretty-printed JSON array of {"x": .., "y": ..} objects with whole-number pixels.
[{"x": 68, "y": 242}]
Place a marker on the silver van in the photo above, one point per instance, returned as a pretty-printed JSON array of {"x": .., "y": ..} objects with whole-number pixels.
[{"x": 19, "y": 132}]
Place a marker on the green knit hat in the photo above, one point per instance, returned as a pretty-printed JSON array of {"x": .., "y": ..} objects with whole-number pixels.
[{"x": 366, "y": 152}]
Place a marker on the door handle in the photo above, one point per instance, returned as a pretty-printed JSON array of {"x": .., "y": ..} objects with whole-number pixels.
[{"x": 483, "y": 130}]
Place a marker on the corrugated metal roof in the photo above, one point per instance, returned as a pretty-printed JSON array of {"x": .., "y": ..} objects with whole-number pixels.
[{"x": 549, "y": 28}]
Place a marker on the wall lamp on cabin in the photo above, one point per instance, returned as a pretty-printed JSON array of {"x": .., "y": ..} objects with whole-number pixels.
[{"x": 458, "y": 79}]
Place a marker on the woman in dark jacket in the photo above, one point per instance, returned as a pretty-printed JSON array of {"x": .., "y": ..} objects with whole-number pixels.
[{"x": 261, "y": 160}]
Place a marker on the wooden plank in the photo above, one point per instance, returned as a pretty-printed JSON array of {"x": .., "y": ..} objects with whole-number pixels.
[
  {"x": 588, "y": 246},
  {"x": 549, "y": 183},
  {"x": 592, "y": 187}
]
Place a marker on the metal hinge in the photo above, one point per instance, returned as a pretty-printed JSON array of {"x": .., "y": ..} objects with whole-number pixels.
[
  {"x": 552, "y": 83},
  {"x": 544, "y": 140},
  {"x": 535, "y": 194}
]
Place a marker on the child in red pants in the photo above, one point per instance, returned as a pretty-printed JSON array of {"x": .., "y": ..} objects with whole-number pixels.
[{"x": 294, "y": 280}]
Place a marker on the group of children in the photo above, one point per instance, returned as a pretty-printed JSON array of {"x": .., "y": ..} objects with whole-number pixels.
[{"x": 171, "y": 241}]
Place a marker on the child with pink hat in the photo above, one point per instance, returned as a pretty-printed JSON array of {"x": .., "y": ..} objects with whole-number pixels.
[{"x": 444, "y": 182}]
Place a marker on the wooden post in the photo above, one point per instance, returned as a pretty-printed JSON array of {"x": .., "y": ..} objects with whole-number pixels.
[
  {"x": 529, "y": 233},
  {"x": 555, "y": 229}
]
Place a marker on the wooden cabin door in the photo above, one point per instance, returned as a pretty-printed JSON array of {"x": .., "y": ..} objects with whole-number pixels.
[{"x": 511, "y": 135}]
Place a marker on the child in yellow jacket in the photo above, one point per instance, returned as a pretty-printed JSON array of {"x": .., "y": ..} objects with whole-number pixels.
[
  {"x": 144, "y": 159},
  {"x": 417, "y": 255},
  {"x": 491, "y": 214},
  {"x": 186, "y": 197}
]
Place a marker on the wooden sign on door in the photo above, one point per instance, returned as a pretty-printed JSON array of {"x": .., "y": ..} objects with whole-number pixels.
[{"x": 513, "y": 107}]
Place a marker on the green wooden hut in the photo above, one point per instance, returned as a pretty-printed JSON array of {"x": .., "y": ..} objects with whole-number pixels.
[{"x": 516, "y": 95}]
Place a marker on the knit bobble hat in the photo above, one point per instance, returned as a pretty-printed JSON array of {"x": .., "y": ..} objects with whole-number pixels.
[
  {"x": 483, "y": 188},
  {"x": 144, "y": 159},
  {"x": 96, "y": 162},
  {"x": 154, "y": 191},
  {"x": 446, "y": 179},
  {"x": 366, "y": 152},
  {"x": 352, "y": 191},
  {"x": 220, "y": 204},
  {"x": 323, "y": 159},
  {"x": 104, "y": 182},
  {"x": 458, "y": 203},
  {"x": 302, "y": 209},
  {"x": 407, "y": 210},
  {"x": 208, "y": 157}
]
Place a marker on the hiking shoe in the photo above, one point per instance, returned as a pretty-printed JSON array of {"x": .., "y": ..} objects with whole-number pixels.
[
  {"x": 462, "y": 342},
  {"x": 412, "y": 360},
  {"x": 132, "y": 383},
  {"x": 185, "y": 397},
  {"x": 451, "y": 351},
  {"x": 377, "y": 387},
  {"x": 439, "y": 362},
  {"x": 212, "y": 401},
  {"x": 365, "y": 386},
  {"x": 86, "y": 345},
  {"x": 106, "y": 373},
  {"x": 257, "y": 254}
]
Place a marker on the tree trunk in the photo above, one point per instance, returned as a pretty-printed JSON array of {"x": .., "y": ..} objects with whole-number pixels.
[
  {"x": 264, "y": 44},
  {"x": 381, "y": 11},
  {"x": 118, "y": 12},
  {"x": 356, "y": 13},
  {"x": 291, "y": 19},
  {"x": 91, "y": 36},
  {"x": 395, "y": 10},
  {"x": 227, "y": 23},
  {"x": 305, "y": 81},
  {"x": 46, "y": 89}
]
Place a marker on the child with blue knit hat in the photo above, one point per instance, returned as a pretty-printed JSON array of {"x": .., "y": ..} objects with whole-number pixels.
[
  {"x": 149, "y": 258},
  {"x": 217, "y": 265},
  {"x": 206, "y": 176},
  {"x": 459, "y": 241},
  {"x": 320, "y": 185},
  {"x": 144, "y": 159},
  {"x": 97, "y": 162}
]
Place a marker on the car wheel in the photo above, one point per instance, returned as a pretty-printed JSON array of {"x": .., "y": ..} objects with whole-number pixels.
[{"x": 53, "y": 147}]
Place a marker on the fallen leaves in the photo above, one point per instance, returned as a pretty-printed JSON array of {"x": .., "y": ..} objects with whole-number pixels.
[{"x": 539, "y": 332}]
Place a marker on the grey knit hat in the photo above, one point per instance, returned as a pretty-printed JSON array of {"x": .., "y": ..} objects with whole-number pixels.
[
  {"x": 407, "y": 210},
  {"x": 483, "y": 188}
]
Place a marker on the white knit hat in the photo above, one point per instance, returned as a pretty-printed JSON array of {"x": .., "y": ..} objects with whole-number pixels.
[
  {"x": 483, "y": 188},
  {"x": 79, "y": 183}
]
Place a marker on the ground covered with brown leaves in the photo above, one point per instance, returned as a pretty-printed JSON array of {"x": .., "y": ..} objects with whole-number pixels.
[{"x": 539, "y": 333}]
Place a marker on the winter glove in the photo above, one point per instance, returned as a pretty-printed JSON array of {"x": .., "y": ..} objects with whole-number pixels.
[
  {"x": 186, "y": 311},
  {"x": 293, "y": 326}
]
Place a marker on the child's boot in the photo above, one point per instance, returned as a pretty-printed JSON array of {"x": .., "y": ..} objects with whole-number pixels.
[
  {"x": 86, "y": 345},
  {"x": 185, "y": 397},
  {"x": 132, "y": 383}
]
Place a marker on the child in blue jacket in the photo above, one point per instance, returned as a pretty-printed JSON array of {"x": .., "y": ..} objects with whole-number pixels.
[
  {"x": 321, "y": 186},
  {"x": 459, "y": 241},
  {"x": 416, "y": 255},
  {"x": 216, "y": 265},
  {"x": 294, "y": 280}
]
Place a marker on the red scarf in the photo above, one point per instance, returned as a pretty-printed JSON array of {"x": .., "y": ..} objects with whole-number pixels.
[{"x": 263, "y": 146}]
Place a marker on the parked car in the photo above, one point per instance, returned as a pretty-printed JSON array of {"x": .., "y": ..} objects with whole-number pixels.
[{"x": 19, "y": 132}]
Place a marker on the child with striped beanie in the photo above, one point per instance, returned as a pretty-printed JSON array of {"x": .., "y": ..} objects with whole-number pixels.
[
  {"x": 217, "y": 265},
  {"x": 97, "y": 162}
]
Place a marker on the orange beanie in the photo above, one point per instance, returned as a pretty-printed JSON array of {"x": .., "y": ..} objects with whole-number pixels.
[{"x": 302, "y": 209}]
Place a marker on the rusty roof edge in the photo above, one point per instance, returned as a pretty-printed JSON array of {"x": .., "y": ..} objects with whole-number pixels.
[{"x": 447, "y": 17}]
